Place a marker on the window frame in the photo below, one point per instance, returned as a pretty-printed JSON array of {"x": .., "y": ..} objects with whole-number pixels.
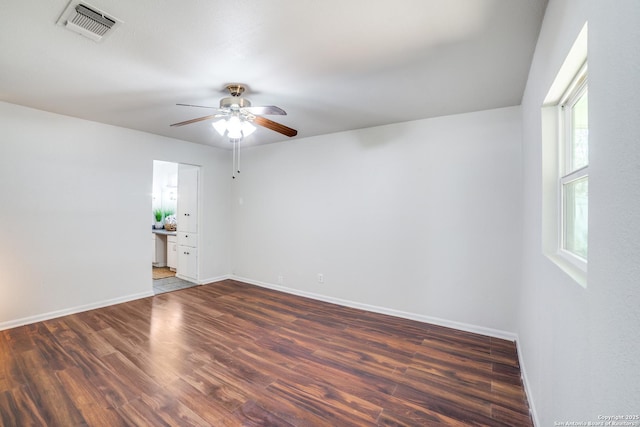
[
  {"x": 574, "y": 92},
  {"x": 550, "y": 128}
]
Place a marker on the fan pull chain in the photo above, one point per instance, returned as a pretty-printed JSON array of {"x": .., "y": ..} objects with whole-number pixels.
[
  {"x": 233, "y": 164},
  {"x": 238, "y": 156}
]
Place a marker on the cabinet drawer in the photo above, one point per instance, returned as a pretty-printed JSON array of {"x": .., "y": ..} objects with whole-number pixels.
[{"x": 188, "y": 239}]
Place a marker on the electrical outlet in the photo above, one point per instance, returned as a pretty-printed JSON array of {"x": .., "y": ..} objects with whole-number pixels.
[
  {"x": 280, "y": 279},
  {"x": 320, "y": 278}
]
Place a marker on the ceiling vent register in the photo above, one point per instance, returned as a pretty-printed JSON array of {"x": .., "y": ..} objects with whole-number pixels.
[{"x": 87, "y": 21}]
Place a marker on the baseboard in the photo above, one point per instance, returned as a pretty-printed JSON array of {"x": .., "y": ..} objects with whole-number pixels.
[
  {"x": 213, "y": 279},
  {"x": 496, "y": 333},
  {"x": 203, "y": 281},
  {"x": 526, "y": 385},
  {"x": 73, "y": 310},
  {"x": 186, "y": 279}
]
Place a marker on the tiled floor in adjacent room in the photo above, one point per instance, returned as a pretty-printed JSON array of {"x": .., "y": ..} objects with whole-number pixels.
[{"x": 169, "y": 284}]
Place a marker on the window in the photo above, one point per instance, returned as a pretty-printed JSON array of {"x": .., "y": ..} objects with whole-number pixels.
[
  {"x": 565, "y": 164},
  {"x": 574, "y": 171}
]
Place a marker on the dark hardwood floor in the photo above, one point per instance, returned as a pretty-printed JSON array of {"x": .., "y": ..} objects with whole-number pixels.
[{"x": 231, "y": 354}]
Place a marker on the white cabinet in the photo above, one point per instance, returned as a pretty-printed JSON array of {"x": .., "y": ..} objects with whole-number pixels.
[
  {"x": 172, "y": 252},
  {"x": 188, "y": 263},
  {"x": 187, "y": 241},
  {"x": 188, "y": 256}
]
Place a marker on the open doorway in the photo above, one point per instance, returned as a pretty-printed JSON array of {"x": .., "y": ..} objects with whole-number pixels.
[{"x": 164, "y": 228}]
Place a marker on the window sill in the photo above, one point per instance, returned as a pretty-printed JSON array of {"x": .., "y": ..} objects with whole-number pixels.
[{"x": 576, "y": 273}]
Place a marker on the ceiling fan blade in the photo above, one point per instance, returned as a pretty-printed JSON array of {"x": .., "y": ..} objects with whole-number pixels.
[
  {"x": 199, "y": 106},
  {"x": 199, "y": 119},
  {"x": 266, "y": 110},
  {"x": 270, "y": 124}
]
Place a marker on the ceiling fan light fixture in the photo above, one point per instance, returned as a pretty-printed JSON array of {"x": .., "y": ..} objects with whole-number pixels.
[
  {"x": 247, "y": 128},
  {"x": 220, "y": 126},
  {"x": 234, "y": 127},
  {"x": 234, "y": 134}
]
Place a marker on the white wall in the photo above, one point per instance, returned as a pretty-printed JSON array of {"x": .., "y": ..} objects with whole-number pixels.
[
  {"x": 581, "y": 346},
  {"x": 420, "y": 217},
  {"x": 75, "y": 212}
]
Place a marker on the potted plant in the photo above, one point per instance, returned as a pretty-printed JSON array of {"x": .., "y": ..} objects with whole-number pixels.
[{"x": 157, "y": 213}]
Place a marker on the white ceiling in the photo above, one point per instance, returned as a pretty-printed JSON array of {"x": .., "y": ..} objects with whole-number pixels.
[{"x": 333, "y": 65}]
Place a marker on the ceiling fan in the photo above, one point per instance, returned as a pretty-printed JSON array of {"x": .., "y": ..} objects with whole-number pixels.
[{"x": 238, "y": 116}]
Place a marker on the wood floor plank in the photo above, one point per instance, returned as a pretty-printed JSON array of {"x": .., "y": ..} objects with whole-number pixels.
[
  {"x": 19, "y": 409},
  {"x": 399, "y": 412},
  {"x": 428, "y": 357},
  {"x": 46, "y": 391},
  {"x": 139, "y": 413},
  {"x": 233, "y": 354},
  {"x": 437, "y": 389},
  {"x": 231, "y": 373},
  {"x": 509, "y": 416},
  {"x": 322, "y": 405},
  {"x": 191, "y": 407},
  {"x": 10, "y": 374},
  {"x": 73, "y": 330},
  {"x": 467, "y": 411},
  {"x": 472, "y": 393},
  {"x": 253, "y": 415},
  {"x": 374, "y": 389},
  {"x": 91, "y": 403}
]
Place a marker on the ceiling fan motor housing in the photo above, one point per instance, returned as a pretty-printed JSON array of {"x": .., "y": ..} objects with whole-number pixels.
[{"x": 234, "y": 102}]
